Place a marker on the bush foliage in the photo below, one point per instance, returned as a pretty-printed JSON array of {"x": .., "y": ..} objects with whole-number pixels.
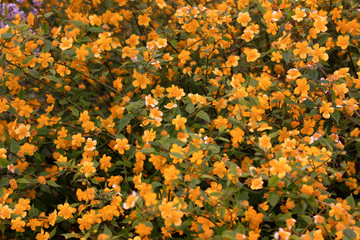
[{"x": 184, "y": 119}]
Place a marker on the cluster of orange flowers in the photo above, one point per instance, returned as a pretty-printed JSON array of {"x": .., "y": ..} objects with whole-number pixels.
[{"x": 180, "y": 119}]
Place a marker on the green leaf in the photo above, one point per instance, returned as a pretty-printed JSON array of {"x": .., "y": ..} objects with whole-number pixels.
[
  {"x": 203, "y": 115},
  {"x": 307, "y": 219},
  {"x": 273, "y": 181},
  {"x": 312, "y": 75},
  {"x": 75, "y": 112},
  {"x": 7, "y": 35},
  {"x": 349, "y": 234},
  {"x": 52, "y": 183},
  {"x": 4, "y": 182},
  {"x": 52, "y": 233},
  {"x": 95, "y": 29},
  {"x": 107, "y": 231},
  {"x": 190, "y": 108},
  {"x": 336, "y": 115},
  {"x": 124, "y": 121},
  {"x": 48, "y": 14},
  {"x": 23, "y": 180},
  {"x": 14, "y": 146},
  {"x": 69, "y": 235},
  {"x": 3, "y": 162},
  {"x": 147, "y": 150},
  {"x": 273, "y": 198},
  {"x": 2, "y": 59},
  {"x": 28, "y": 59},
  {"x": 53, "y": 78},
  {"x": 351, "y": 201},
  {"x": 177, "y": 155}
]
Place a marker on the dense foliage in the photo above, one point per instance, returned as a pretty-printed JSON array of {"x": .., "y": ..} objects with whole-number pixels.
[{"x": 192, "y": 119}]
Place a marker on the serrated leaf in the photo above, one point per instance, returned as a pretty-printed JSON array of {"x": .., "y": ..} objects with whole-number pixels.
[
  {"x": 53, "y": 78},
  {"x": 3, "y": 162},
  {"x": 307, "y": 219},
  {"x": 52, "y": 183},
  {"x": 48, "y": 14},
  {"x": 23, "y": 180},
  {"x": 147, "y": 150},
  {"x": 203, "y": 115},
  {"x": 124, "y": 121},
  {"x": 336, "y": 115},
  {"x": 2, "y": 59},
  {"x": 351, "y": 201},
  {"x": 75, "y": 112},
  {"x": 273, "y": 198},
  {"x": 95, "y": 29},
  {"x": 273, "y": 181},
  {"x": 312, "y": 75},
  {"x": 207, "y": 176},
  {"x": 7, "y": 35},
  {"x": 349, "y": 234},
  {"x": 190, "y": 108},
  {"x": 177, "y": 155},
  {"x": 107, "y": 231},
  {"x": 28, "y": 59},
  {"x": 14, "y": 146}
]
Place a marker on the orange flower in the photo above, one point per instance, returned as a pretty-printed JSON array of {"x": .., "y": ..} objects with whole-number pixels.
[
  {"x": 66, "y": 211},
  {"x": 251, "y": 54},
  {"x": 257, "y": 183},
  {"x": 326, "y": 109},
  {"x": 184, "y": 56},
  {"x": 176, "y": 92},
  {"x": 144, "y": 20},
  {"x": 130, "y": 201},
  {"x": 18, "y": 225},
  {"x": 42, "y": 235},
  {"x": 282, "y": 235},
  {"x": 232, "y": 61},
  {"x": 264, "y": 142},
  {"x": 243, "y": 18},
  {"x": 66, "y": 43},
  {"x": 143, "y": 230},
  {"x": 179, "y": 122},
  {"x": 343, "y": 42},
  {"x": 141, "y": 80},
  {"x": 23, "y": 131},
  {"x": 105, "y": 162},
  {"x": 122, "y": 145},
  {"x": 279, "y": 167},
  {"x": 299, "y": 14},
  {"x": 133, "y": 40},
  {"x": 44, "y": 59},
  {"x": 302, "y": 87}
]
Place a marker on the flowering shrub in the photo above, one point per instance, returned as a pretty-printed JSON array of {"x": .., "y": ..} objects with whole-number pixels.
[{"x": 180, "y": 119}]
